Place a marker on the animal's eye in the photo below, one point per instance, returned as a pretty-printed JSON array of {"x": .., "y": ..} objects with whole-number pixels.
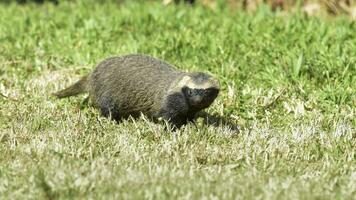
[{"x": 190, "y": 92}]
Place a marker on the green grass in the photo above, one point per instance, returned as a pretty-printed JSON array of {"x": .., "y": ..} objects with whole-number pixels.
[{"x": 288, "y": 81}]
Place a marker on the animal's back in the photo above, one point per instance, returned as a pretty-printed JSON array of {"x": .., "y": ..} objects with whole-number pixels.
[{"x": 131, "y": 84}]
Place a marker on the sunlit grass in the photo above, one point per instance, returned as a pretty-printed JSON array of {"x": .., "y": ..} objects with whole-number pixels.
[{"x": 287, "y": 82}]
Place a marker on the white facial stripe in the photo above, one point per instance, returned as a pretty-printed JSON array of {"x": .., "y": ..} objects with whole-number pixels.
[
  {"x": 204, "y": 86},
  {"x": 186, "y": 81}
]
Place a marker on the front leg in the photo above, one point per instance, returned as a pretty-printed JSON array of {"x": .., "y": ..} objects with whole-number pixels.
[
  {"x": 175, "y": 110},
  {"x": 176, "y": 121}
]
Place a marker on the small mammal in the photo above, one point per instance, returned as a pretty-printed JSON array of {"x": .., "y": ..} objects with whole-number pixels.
[{"x": 133, "y": 84}]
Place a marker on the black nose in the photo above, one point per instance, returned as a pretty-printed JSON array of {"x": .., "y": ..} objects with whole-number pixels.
[
  {"x": 209, "y": 96},
  {"x": 213, "y": 92}
]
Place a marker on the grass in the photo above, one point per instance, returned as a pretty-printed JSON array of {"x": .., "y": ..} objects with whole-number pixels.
[{"x": 287, "y": 81}]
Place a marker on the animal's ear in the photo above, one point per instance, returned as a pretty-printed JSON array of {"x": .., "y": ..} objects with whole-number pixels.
[{"x": 186, "y": 91}]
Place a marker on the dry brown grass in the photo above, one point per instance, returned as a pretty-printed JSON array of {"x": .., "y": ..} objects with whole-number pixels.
[{"x": 310, "y": 7}]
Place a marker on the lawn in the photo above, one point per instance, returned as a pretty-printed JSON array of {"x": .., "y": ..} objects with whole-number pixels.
[{"x": 288, "y": 83}]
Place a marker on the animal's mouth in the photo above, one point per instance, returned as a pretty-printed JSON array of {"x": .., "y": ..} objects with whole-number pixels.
[{"x": 206, "y": 99}]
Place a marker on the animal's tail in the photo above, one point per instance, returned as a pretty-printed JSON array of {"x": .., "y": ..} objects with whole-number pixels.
[{"x": 75, "y": 89}]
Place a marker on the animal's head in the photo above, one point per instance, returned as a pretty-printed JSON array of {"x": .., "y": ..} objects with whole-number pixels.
[{"x": 200, "y": 89}]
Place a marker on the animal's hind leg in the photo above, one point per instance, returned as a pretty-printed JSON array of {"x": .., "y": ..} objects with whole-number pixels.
[
  {"x": 108, "y": 109},
  {"x": 85, "y": 102},
  {"x": 110, "y": 113}
]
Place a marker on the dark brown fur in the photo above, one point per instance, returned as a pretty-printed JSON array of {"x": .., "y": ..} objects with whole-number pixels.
[{"x": 134, "y": 84}]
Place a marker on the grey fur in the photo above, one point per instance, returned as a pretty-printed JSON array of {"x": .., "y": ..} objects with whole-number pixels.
[{"x": 133, "y": 84}]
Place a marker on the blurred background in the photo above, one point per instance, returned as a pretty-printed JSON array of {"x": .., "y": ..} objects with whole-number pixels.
[{"x": 310, "y": 7}]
